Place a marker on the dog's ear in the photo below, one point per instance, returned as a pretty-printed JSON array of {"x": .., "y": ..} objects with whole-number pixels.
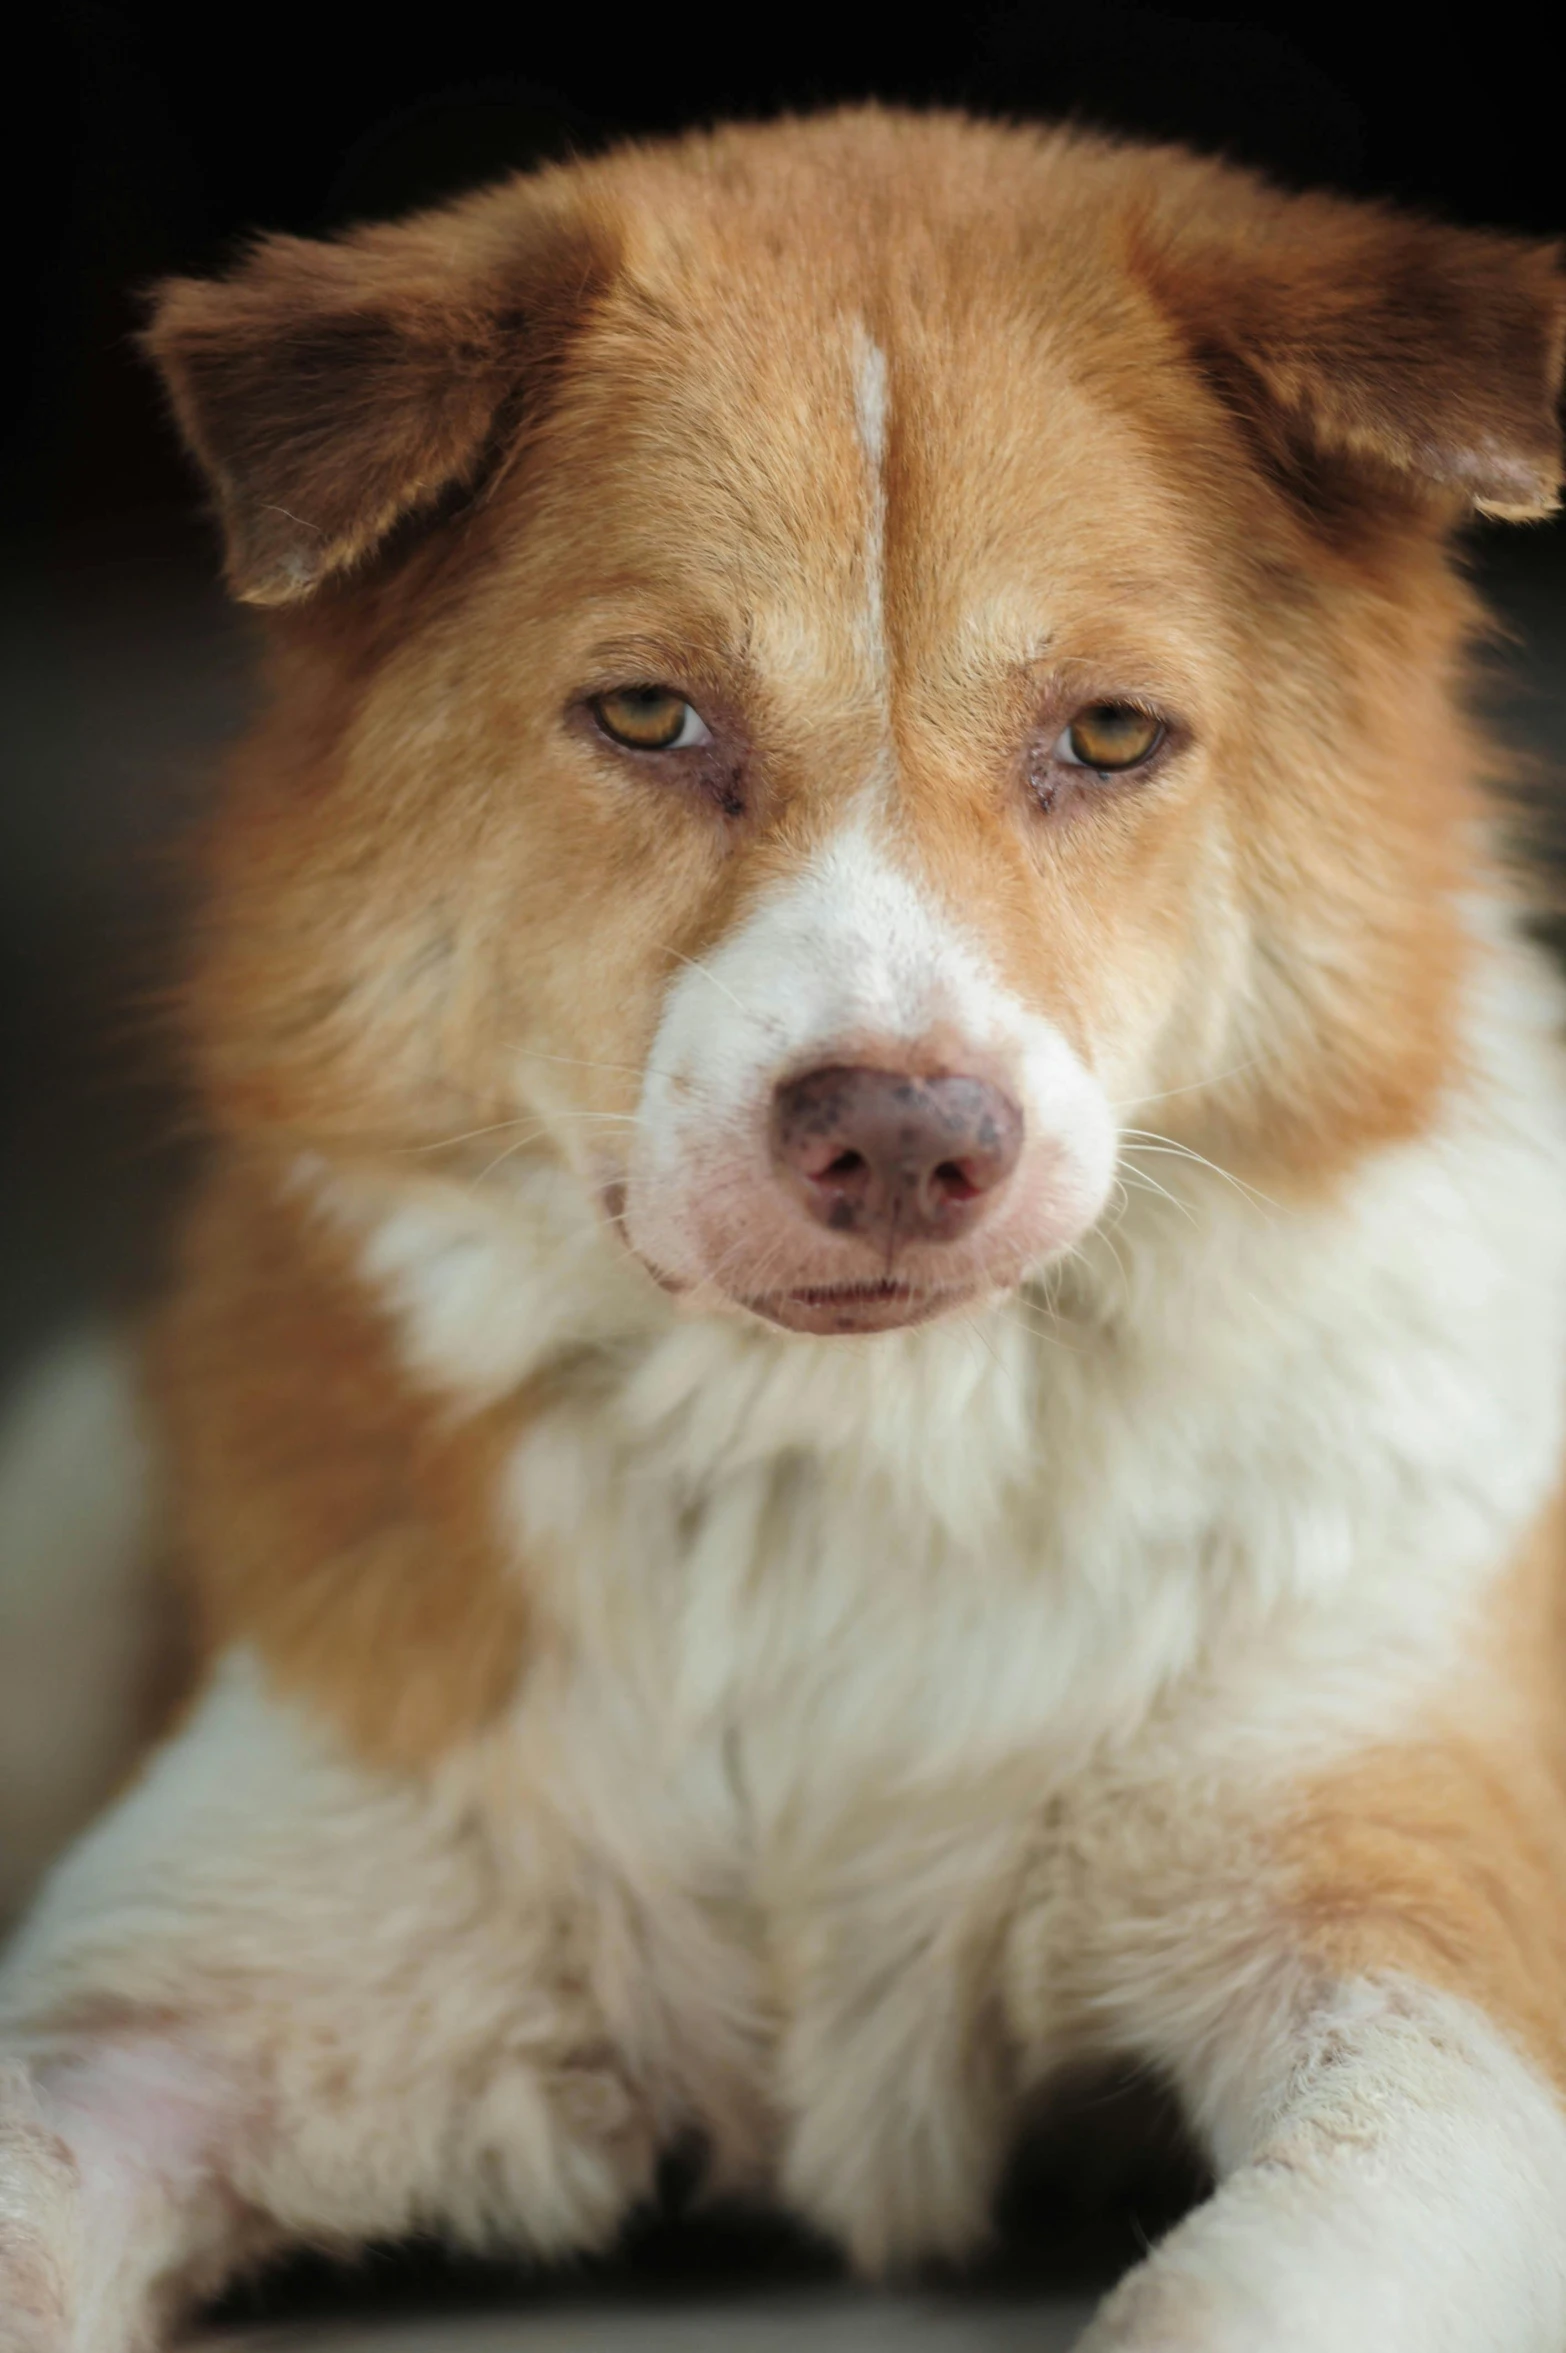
[
  {"x": 1350, "y": 331},
  {"x": 329, "y": 390}
]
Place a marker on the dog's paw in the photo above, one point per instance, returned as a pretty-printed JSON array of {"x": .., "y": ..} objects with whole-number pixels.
[
  {"x": 1155, "y": 2311},
  {"x": 39, "y": 2224}
]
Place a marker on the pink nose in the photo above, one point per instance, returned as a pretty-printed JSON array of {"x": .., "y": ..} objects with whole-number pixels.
[{"x": 895, "y": 1158}]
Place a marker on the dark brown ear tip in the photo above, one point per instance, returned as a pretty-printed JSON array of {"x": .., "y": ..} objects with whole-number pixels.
[
  {"x": 1537, "y": 509},
  {"x": 274, "y": 557},
  {"x": 286, "y": 582},
  {"x": 1517, "y": 485},
  {"x": 172, "y": 308}
]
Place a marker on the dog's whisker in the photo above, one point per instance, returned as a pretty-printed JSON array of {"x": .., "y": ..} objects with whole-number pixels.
[
  {"x": 619, "y": 1069},
  {"x": 695, "y": 965},
  {"x": 544, "y": 1129},
  {"x": 1023, "y": 1311},
  {"x": 1197, "y": 1086},
  {"x": 1149, "y": 1140},
  {"x": 498, "y": 1126},
  {"x": 1148, "y": 1184}
]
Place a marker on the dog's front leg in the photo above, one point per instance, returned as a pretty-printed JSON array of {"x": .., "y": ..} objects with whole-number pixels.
[
  {"x": 277, "y": 1996},
  {"x": 1395, "y": 2183},
  {"x": 1359, "y": 1986}
]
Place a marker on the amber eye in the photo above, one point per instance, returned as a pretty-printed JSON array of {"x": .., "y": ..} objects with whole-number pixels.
[
  {"x": 650, "y": 719},
  {"x": 1109, "y": 737}
]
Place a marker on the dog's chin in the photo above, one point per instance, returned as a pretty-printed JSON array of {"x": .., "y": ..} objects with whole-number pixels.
[{"x": 849, "y": 1310}]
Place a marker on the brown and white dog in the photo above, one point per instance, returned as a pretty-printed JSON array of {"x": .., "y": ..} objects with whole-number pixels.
[{"x": 869, "y": 1389}]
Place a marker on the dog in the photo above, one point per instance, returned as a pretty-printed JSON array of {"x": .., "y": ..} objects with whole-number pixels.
[{"x": 867, "y": 1395}]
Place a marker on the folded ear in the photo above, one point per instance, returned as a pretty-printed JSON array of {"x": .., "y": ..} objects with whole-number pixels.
[
  {"x": 330, "y": 390},
  {"x": 1388, "y": 341}
]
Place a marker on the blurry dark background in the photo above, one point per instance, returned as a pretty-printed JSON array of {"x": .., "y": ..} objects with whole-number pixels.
[
  {"x": 148, "y": 139},
  {"x": 151, "y": 139}
]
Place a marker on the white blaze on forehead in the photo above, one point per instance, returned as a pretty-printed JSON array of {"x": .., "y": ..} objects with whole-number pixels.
[
  {"x": 871, "y": 409},
  {"x": 870, "y": 402}
]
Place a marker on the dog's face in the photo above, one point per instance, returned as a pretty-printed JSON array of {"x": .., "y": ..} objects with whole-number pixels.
[
  {"x": 915, "y": 692},
  {"x": 798, "y": 677}
]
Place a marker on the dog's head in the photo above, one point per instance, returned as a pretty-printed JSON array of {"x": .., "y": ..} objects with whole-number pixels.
[{"x": 823, "y": 670}]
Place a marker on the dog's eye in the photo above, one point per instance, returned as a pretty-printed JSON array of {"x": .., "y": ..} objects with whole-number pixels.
[
  {"x": 1109, "y": 737},
  {"x": 650, "y": 719}
]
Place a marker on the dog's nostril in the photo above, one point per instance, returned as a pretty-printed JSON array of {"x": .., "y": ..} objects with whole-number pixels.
[
  {"x": 892, "y": 1157},
  {"x": 955, "y": 1182}
]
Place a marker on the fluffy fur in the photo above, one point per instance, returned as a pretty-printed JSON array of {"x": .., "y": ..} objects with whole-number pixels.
[{"x": 1132, "y": 1627}]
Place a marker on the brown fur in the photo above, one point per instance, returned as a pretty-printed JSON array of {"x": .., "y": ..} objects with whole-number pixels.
[
  {"x": 327, "y": 1511},
  {"x": 1444, "y": 1856}
]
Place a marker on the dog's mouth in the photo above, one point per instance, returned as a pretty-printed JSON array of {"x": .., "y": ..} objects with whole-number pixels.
[{"x": 884, "y": 1306}]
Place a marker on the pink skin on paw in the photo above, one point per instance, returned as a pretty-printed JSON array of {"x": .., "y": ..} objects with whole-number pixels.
[{"x": 103, "y": 2147}]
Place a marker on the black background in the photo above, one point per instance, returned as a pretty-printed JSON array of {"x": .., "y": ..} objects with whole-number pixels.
[{"x": 156, "y": 136}]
